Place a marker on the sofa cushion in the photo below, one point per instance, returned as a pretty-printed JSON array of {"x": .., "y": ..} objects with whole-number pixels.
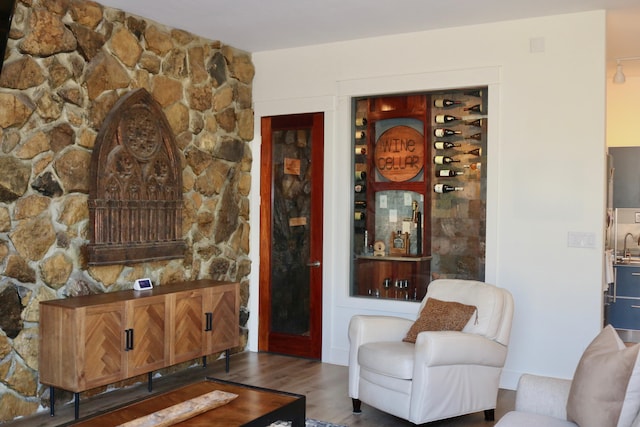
[
  {"x": 391, "y": 358},
  {"x": 440, "y": 315},
  {"x": 600, "y": 382}
]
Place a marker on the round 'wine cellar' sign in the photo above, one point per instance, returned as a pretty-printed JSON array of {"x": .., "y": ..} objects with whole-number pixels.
[{"x": 399, "y": 153}]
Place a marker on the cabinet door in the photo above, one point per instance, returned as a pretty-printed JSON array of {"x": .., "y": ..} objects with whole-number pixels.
[
  {"x": 188, "y": 339},
  {"x": 628, "y": 281},
  {"x": 103, "y": 355},
  {"x": 625, "y": 313},
  {"x": 146, "y": 333},
  {"x": 222, "y": 309}
]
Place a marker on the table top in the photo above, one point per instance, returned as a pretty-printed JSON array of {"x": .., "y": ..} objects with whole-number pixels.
[{"x": 252, "y": 403}]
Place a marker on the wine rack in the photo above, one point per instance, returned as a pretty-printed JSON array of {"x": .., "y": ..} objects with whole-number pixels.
[{"x": 448, "y": 194}]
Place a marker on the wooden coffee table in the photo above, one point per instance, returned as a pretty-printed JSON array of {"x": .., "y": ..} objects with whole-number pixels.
[{"x": 254, "y": 407}]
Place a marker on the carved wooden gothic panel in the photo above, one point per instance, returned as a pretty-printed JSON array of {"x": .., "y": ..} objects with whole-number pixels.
[{"x": 135, "y": 195}]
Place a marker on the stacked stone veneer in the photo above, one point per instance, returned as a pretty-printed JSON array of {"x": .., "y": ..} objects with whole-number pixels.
[{"x": 67, "y": 64}]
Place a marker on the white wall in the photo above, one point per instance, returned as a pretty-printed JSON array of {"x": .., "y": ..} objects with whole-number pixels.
[
  {"x": 546, "y": 148},
  {"x": 623, "y": 112}
]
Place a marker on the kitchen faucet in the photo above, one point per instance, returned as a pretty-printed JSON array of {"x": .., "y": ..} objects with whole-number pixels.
[{"x": 626, "y": 251}]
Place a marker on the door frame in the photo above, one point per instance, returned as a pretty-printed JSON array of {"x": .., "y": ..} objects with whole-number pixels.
[{"x": 283, "y": 343}]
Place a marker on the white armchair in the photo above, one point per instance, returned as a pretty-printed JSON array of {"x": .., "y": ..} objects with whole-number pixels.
[{"x": 445, "y": 373}]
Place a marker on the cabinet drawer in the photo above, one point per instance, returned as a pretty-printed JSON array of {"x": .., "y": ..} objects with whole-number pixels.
[
  {"x": 625, "y": 313},
  {"x": 628, "y": 281}
]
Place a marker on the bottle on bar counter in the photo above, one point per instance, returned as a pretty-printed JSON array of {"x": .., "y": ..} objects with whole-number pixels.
[
  {"x": 446, "y": 188},
  {"x": 443, "y": 145},
  {"x": 444, "y": 160},
  {"x": 446, "y": 118},
  {"x": 440, "y": 132},
  {"x": 443, "y": 102},
  {"x": 447, "y": 172}
]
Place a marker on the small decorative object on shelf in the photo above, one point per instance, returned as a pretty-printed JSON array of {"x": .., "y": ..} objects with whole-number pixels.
[
  {"x": 399, "y": 243},
  {"x": 443, "y": 145},
  {"x": 443, "y": 160},
  {"x": 440, "y": 132},
  {"x": 446, "y": 188},
  {"x": 443, "y": 102}
]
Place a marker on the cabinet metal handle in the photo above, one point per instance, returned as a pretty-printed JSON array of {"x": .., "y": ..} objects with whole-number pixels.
[
  {"x": 313, "y": 264},
  {"x": 635, "y": 274},
  {"x": 208, "y": 321},
  {"x": 128, "y": 334},
  {"x": 635, "y": 306}
]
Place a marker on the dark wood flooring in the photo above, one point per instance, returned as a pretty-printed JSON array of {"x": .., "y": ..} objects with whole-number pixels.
[{"x": 324, "y": 385}]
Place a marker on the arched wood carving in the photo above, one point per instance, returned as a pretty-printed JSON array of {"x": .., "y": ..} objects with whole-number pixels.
[{"x": 135, "y": 194}]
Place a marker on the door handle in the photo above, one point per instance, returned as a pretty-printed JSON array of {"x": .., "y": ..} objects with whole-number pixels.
[{"x": 313, "y": 264}]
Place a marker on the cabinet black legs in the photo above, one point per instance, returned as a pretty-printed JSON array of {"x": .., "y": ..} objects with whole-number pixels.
[
  {"x": 356, "y": 406},
  {"x": 52, "y": 400}
]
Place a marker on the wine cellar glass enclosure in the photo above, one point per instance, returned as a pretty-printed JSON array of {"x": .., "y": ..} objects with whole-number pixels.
[{"x": 419, "y": 191}]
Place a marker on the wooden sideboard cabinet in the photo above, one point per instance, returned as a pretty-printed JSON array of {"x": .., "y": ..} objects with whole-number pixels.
[{"x": 95, "y": 340}]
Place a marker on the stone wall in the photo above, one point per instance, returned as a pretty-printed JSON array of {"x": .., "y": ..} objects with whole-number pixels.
[{"x": 67, "y": 63}]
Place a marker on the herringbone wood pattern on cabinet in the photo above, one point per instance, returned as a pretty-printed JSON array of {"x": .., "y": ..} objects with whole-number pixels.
[
  {"x": 104, "y": 344},
  {"x": 188, "y": 340},
  {"x": 225, "y": 325}
]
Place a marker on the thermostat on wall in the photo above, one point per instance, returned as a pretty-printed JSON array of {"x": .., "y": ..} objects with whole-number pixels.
[{"x": 142, "y": 285}]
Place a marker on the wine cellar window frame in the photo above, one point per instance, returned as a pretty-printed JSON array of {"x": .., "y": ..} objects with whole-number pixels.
[{"x": 404, "y": 226}]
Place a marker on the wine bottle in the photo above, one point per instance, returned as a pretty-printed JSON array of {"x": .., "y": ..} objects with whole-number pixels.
[
  {"x": 361, "y": 175},
  {"x": 477, "y": 122},
  {"x": 447, "y": 172},
  {"x": 476, "y": 136},
  {"x": 446, "y": 118},
  {"x": 440, "y": 132},
  {"x": 475, "y": 152},
  {"x": 443, "y": 102},
  {"x": 360, "y": 203},
  {"x": 358, "y": 216},
  {"x": 360, "y": 188},
  {"x": 474, "y": 166},
  {"x": 446, "y": 188},
  {"x": 443, "y": 145},
  {"x": 361, "y": 121},
  {"x": 444, "y": 160},
  {"x": 478, "y": 93},
  {"x": 360, "y": 134},
  {"x": 478, "y": 108},
  {"x": 361, "y": 149}
]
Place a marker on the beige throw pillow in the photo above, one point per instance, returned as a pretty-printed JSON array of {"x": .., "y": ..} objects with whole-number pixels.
[
  {"x": 440, "y": 315},
  {"x": 600, "y": 382}
]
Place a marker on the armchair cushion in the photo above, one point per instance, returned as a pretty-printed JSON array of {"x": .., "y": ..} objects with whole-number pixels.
[
  {"x": 440, "y": 315},
  {"x": 600, "y": 382}
]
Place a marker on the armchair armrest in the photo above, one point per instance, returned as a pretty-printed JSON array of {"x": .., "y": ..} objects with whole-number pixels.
[
  {"x": 445, "y": 348},
  {"x": 364, "y": 329},
  {"x": 543, "y": 395}
]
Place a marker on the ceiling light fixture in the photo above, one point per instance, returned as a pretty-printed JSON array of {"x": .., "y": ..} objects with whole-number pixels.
[{"x": 619, "y": 76}]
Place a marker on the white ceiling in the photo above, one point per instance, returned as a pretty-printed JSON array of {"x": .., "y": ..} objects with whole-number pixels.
[{"x": 261, "y": 25}]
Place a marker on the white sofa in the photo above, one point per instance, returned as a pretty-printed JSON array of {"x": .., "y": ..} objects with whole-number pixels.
[{"x": 604, "y": 392}]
